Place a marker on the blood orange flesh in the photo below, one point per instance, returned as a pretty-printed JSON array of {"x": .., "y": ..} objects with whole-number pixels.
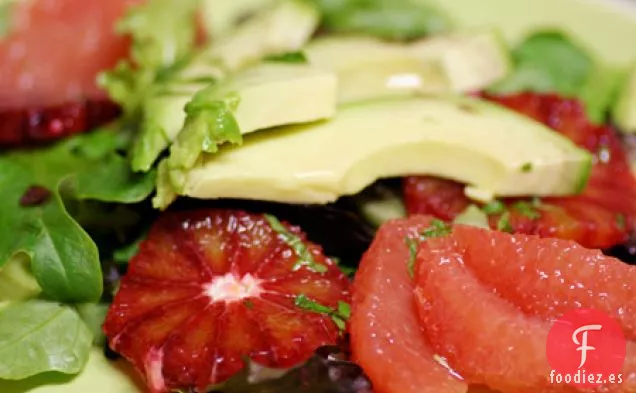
[
  {"x": 386, "y": 337},
  {"x": 603, "y": 216},
  {"x": 211, "y": 287}
]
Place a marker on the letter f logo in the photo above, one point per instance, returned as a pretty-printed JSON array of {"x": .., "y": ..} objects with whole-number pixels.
[{"x": 583, "y": 343}]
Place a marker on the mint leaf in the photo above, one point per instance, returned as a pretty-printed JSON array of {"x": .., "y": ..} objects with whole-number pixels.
[
  {"x": 503, "y": 224},
  {"x": 548, "y": 61},
  {"x": 527, "y": 209},
  {"x": 39, "y": 336},
  {"x": 493, "y": 208},
  {"x": 297, "y": 244},
  {"x": 388, "y": 19},
  {"x": 438, "y": 228},
  {"x": 290, "y": 57},
  {"x": 64, "y": 259}
]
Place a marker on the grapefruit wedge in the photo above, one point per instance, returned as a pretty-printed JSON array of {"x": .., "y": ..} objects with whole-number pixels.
[
  {"x": 603, "y": 216},
  {"x": 387, "y": 338},
  {"x": 210, "y": 288},
  {"x": 477, "y": 321}
]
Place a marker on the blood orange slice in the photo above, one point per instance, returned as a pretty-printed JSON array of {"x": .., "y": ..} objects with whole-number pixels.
[
  {"x": 211, "y": 287},
  {"x": 601, "y": 217},
  {"x": 475, "y": 321},
  {"x": 386, "y": 337}
]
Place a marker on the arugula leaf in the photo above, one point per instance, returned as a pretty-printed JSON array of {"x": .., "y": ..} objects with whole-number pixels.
[
  {"x": 39, "y": 336},
  {"x": 548, "y": 62},
  {"x": 163, "y": 32},
  {"x": 528, "y": 210},
  {"x": 388, "y": 19},
  {"x": 297, "y": 244},
  {"x": 64, "y": 259}
]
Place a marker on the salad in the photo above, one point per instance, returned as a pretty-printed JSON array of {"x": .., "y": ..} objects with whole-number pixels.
[{"x": 388, "y": 196}]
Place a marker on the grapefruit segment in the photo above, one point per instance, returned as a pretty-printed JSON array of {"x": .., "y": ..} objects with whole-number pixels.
[
  {"x": 56, "y": 48},
  {"x": 487, "y": 300},
  {"x": 549, "y": 277},
  {"x": 387, "y": 339},
  {"x": 200, "y": 297},
  {"x": 601, "y": 217},
  {"x": 486, "y": 339}
]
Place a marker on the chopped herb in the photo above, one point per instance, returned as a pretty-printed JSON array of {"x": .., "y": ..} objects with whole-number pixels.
[
  {"x": 527, "y": 210},
  {"x": 290, "y": 57},
  {"x": 527, "y": 167},
  {"x": 410, "y": 264},
  {"x": 248, "y": 303},
  {"x": 494, "y": 207},
  {"x": 620, "y": 221},
  {"x": 438, "y": 228},
  {"x": 536, "y": 202},
  {"x": 339, "y": 316},
  {"x": 299, "y": 247},
  {"x": 503, "y": 224}
]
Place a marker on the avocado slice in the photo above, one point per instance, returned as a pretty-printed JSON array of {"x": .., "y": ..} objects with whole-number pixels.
[
  {"x": 221, "y": 16},
  {"x": 368, "y": 67},
  {"x": 286, "y": 27},
  {"x": 624, "y": 112},
  {"x": 260, "y": 97},
  {"x": 467, "y": 140},
  {"x": 283, "y": 28},
  {"x": 472, "y": 60}
]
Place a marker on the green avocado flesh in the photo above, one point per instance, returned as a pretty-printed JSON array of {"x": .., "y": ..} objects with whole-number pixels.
[
  {"x": 370, "y": 68},
  {"x": 625, "y": 109},
  {"x": 488, "y": 147}
]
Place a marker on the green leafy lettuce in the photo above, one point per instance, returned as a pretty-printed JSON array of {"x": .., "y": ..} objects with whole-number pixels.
[
  {"x": 64, "y": 259},
  {"x": 550, "y": 62},
  {"x": 388, "y": 19},
  {"x": 163, "y": 34},
  {"x": 39, "y": 336},
  {"x": 17, "y": 281}
]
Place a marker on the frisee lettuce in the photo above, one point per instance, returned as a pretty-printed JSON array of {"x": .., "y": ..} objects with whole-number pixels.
[{"x": 64, "y": 259}]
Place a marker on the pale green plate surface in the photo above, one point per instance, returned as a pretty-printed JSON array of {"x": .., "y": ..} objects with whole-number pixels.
[{"x": 607, "y": 30}]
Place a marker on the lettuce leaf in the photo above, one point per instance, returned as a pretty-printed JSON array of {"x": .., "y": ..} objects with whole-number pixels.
[
  {"x": 550, "y": 62},
  {"x": 36, "y": 186},
  {"x": 39, "y": 336},
  {"x": 163, "y": 33},
  {"x": 388, "y": 19}
]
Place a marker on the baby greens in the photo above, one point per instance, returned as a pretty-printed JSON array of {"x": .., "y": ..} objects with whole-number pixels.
[
  {"x": 64, "y": 259},
  {"x": 39, "y": 336}
]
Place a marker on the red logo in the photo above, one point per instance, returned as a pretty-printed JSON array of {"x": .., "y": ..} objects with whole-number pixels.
[{"x": 586, "y": 348}]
